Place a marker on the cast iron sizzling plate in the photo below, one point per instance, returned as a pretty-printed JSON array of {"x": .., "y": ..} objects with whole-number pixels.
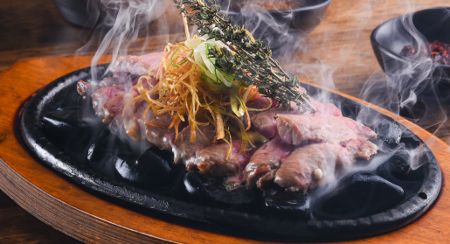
[{"x": 419, "y": 194}]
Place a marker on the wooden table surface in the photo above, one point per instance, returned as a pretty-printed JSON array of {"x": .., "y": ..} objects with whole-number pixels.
[{"x": 340, "y": 47}]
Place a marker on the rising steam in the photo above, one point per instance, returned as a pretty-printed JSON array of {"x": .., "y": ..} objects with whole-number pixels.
[
  {"x": 317, "y": 58},
  {"x": 126, "y": 26}
]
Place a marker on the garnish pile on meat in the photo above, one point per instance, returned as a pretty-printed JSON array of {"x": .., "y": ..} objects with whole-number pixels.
[{"x": 295, "y": 149}]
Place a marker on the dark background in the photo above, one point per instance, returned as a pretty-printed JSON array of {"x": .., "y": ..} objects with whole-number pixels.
[{"x": 32, "y": 29}]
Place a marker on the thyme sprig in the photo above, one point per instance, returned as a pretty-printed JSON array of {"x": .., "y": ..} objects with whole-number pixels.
[{"x": 245, "y": 59}]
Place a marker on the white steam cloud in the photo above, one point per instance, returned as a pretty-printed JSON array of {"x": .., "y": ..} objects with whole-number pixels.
[
  {"x": 336, "y": 55},
  {"x": 124, "y": 25}
]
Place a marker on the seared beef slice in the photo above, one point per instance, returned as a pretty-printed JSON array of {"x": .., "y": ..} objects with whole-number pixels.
[
  {"x": 313, "y": 165},
  {"x": 266, "y": 161},
  {"x": 294, "y": 129}
]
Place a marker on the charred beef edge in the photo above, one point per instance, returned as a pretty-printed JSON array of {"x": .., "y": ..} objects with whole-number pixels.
[{"x": 28, "y": 132}]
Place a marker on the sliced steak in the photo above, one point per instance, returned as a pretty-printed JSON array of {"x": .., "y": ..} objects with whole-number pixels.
[
  {"x": 326, "y": 108},
  {"x": 295, "y": 129},
  {"x": 259, "y": 102},
  {"x": 102, "y": 95},
  {"x": 266, "y": 124},
  {"x": 313, "y": 165},
  {"x": 112, "y": 108},
  {"x": 87, "y": 89},
  {"x": 184, "y": 149},
  {"x": 360, "y": 148},
  {"x": 126, "y": 71},
  {"x": 109, "y": 101},
  {"x": 309, "y": 166},
  {"x": 133, "y": 121},
  {"x": 134, "y": 64},
  {"x": 265, "y": 162},
  {"x": 213, "y": 160},
  {"x": 160, "y": 136}
]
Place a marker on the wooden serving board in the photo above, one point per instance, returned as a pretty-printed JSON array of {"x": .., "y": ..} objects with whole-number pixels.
[{"x": 90, "y": 218}]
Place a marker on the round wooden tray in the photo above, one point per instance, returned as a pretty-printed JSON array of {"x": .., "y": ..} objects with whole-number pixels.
[{"x": 90, "y": 218}]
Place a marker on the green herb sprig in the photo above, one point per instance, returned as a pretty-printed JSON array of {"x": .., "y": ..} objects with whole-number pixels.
[{"x": 246, "y": 59}]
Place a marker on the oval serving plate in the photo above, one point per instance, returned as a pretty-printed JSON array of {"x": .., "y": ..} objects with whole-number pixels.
[{"x": 61, "y": 94}]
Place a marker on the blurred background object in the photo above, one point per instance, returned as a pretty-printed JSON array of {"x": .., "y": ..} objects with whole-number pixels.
[
  {"x": 83, "y": 13},
  {"x": 414, "y": 31},
  {"x": 404, "y": 47},
  {"x": 280, "y": 24}
]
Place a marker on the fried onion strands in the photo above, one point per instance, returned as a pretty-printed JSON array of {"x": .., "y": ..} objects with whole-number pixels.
[{"x": 182, "y": 93}]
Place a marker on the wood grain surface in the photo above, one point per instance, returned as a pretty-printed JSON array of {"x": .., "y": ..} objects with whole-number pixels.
[{"x": 35, "y": 29}]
